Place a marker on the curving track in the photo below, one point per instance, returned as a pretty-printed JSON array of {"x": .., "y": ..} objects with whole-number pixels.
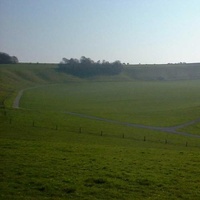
[{"x": 172, "y": 129}]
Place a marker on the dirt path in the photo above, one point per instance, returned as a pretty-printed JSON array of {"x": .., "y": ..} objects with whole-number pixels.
[
  {"x": 16, "y": 102},
  {"x": 17, "y": 99},
  {"x": 171, "y": 129}
]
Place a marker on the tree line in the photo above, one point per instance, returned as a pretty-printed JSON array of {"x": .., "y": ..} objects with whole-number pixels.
[
  {"x": 7, "y": 59},
  {"x": 86, "y": 67}
]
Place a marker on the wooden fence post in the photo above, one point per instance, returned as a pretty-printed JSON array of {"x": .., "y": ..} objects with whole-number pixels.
[
  {"x": 186, "y": 144},
  {"x": 101, "y": 133},
  {"x": 144, "y": 138}
]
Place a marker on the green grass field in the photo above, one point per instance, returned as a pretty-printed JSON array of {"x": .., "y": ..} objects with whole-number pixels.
[
  {"x": 149, "y": 103},
  {"x": 49, "y": 154}
]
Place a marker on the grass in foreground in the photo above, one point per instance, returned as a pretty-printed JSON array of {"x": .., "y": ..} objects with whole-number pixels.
[
  {"x": 43, "y": 163},
  {"x": 40, "y": 162}
]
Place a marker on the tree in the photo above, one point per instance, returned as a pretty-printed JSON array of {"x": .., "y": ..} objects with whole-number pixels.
[
  {"x": 14, "y": 59},
  {"x": 86, "y": 61},
  {"x": 86, "y": 67},
  {"x": 64, "y": 61},
  {"x": 7, "y": 59}
]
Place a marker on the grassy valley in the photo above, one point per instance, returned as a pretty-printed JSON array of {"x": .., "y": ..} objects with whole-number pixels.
[{"x": 49, "y": 153}]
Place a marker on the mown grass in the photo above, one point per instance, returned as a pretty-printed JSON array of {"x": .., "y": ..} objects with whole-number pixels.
[
  {"x": 194, "y": 129},
  {"x": 149, "y": 103},
  {"x": 28, "y": 119},
  {"x": 39, "y": 163},
  {"x": 45, "y": 156}
]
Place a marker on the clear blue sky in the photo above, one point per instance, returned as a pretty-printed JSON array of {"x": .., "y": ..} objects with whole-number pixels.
[{"x": 132, "y": 31}]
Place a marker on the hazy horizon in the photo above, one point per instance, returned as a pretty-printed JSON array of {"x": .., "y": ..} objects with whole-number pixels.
[{"x": 132, "y": 31}]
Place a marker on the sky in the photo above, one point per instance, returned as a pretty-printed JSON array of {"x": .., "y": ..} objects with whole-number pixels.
[{"x": 132, "y": 31}]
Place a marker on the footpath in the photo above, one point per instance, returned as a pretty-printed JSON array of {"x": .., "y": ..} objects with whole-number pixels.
[{"x": 171, "y": 129}]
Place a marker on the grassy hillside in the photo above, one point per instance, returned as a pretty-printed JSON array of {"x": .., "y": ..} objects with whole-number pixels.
[
  {"x": 46, "y": 153},
  {"x": 14, "y": 77},
  {"x": 164, "y": 72}
]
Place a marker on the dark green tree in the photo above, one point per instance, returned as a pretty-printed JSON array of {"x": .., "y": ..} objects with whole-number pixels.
[
  {"x": 7, "y": 59},
  {"x": 86, "y": 67}
]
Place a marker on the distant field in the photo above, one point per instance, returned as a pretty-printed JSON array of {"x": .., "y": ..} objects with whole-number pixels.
[
  {"x": 46, "y": 153},
  {"x": 149, "y": 103},
  {"x": 164, "y": 72}
]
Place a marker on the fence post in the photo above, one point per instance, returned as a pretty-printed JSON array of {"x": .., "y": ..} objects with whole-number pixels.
[
  {"x": 101, "y": 133},
  {"x": 186, "y": 144},
  {"x": 144, "y": 138},
  {"x": 165, "y": 141},
  {"x": 123, "y": 135},
  {"x": 33, "y": 124}
]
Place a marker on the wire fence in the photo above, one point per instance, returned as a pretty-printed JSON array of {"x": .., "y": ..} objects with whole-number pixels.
[{"x": 14, "y": 122}]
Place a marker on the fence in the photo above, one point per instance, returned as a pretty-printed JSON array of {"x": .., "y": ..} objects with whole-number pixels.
[{"x": 11, "y": 121}]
